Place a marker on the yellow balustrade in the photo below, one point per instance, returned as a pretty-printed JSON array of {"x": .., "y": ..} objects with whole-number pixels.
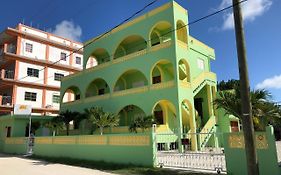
[
  {"x": 98, "y": 97},
  {"x": 43, "y": 140},
  {"x": 160, "y": 46},
  {"x": 92, "y": 140},
  {"x": 64, "y": 140},
  {"x": 130, "y": 91},
  {"x": 207, "y": 128},
  {"x": 100, "y": 66},
  {"x": 129, "y": 140},
  {"x": 15, "y": 140},
  {"x": 162, "y": 85}
]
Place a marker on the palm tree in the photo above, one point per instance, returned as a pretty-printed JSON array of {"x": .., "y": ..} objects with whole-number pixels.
[
  {"x": 142, "y": 122},
  {"x": 264, "y": 111},
  {"x": 102, "y": 119},
  {"x": 54, "y": 125},
  {"x": 68, "y": 116}
]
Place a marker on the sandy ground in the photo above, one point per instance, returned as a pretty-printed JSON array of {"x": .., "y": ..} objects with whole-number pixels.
[{"x": 10, "y": 165}]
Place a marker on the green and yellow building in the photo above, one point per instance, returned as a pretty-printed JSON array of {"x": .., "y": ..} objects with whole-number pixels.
[{"x": 149, "y": 66}]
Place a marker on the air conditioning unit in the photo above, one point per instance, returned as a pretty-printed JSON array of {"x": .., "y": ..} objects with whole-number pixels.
[{"x": 48, "y": 106}]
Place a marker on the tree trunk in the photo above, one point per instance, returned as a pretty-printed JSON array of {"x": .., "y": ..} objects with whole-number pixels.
[
  {"x": 54, "y": 133},
  {"x": 101, "y": 130},
  {"x": 67, "y": 129}
]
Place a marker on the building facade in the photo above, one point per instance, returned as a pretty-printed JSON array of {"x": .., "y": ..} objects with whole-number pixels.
[
  {"x": 32, "y": 63},
  {"x": 149, "y": 66}
]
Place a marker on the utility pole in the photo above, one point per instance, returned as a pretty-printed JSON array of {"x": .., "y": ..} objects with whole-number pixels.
[{"x": 247, "y": 122}]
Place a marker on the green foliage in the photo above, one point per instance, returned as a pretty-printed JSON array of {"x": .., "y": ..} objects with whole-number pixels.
[
  {"x": 229, "y": 85},
  {"x": 102, "y": 119},
  {"x": 68, "y": 116},
  {"x": 263, "y": 109},
  {"x": 54, "y": 125},
  {"x": 142, "y": 122}
]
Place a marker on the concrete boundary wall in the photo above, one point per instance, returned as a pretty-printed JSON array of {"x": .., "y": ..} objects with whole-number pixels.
[{"x": 137, "y": 149}]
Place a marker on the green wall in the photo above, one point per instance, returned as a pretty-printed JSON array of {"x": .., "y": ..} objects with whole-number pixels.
[
  {"x": 266, "y": 152},
  {"x": 121, "y": 153}
]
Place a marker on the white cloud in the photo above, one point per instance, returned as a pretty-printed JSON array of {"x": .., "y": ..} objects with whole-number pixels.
[
  {"x": 68, "y": 30},
  {"x": 250, "y": 10},
  {"x": 270, "y": 83}
]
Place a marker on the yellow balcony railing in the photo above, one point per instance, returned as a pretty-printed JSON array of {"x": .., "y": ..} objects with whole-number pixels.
[{"x": 162, "y": 85}]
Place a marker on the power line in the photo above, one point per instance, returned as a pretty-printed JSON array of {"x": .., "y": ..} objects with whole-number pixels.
[
  {"x": 173, "y": 30},
  {"x": 190, "y": 23},
  {"x": 75, "y": 51}
]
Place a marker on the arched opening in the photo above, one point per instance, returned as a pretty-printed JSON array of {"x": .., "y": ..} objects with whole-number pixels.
[
  {"x": 165, "y": 113},
  {"x": 73, "y": 93},
  {"x": 184, "y": 71},
  {"x": 131, "y": 44},
  {"x": 130, "y": 79},
  {"x": 162, "y": 71},
  {"x": 98, "y": 57},
  {"x": 129, "y": 113},
  {"x": 97, "y": 87},
  {"x": 181, "y": 31},
  {"x": 160, "y": 33}
]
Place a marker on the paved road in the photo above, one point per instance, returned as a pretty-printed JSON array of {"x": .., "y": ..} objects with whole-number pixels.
[{"x": 21, "y": 166}]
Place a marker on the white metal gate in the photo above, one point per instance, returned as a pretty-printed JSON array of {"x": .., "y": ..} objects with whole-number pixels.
[{"x": 208, "y": 158}]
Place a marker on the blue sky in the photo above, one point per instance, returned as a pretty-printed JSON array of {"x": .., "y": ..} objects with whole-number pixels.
[{"x": 85, "y": 19}]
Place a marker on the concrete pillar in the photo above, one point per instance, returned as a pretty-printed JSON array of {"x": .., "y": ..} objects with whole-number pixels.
[
  {"x": 193, "y": 129},
  {"x": 179, "y": 131}
]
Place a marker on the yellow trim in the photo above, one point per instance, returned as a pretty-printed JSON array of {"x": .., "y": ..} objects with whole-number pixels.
[
  {"x": 197, "y": 42},
  {"x": 64, "y": 140},
  {"x": 15, "y": 140},
  {"x": 92, "y": 140},
  {"x": 134, "y": 21},
  {"x": 180, "y": 8},
  {"x": 43, "y": 140},
  {"x": 159, "y": 9},
  {"x": 182, "y": 44},
  {"x": 160, "y": 46},
  {"x": 184, "y": 84},
  {"x": 163, "y": 85},
  {"x": 97, "y": 67},
  {"x": 236, "y": 141},
  {"x": 97, "y": 97},
  {"x": 120, "y": 59},
  {"x": 130, "y": 91},
  {"x": 128, "y": 24},
  {"x": 129, "y": 140}
]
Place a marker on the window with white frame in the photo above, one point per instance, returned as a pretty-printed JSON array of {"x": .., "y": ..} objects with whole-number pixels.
[
  {"x": 32, "y": 72},
  {"x": 56, "y": 98},
  {"x": 78, "y": 60},
  {"x": 30, "y": 96},
  {"x": 63, "y": 56},
  {"x": 200, "y": 64},
  {"x": 58, "y": 76},
  {"x": 28, "y": 47}
]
